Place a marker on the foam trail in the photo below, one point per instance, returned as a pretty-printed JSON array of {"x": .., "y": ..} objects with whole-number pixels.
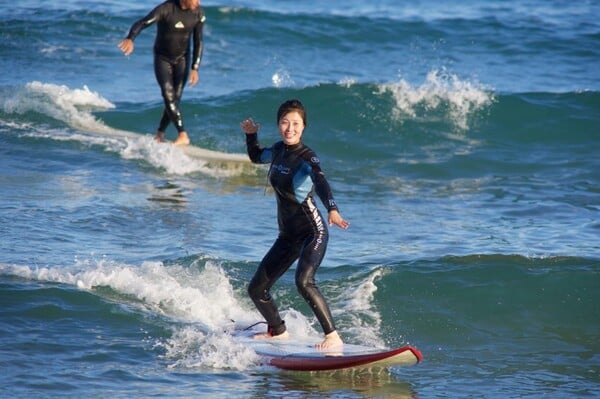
[
  {"x": 201, "y": 301},
  {"x": 75, "y": 108},
  {"x": 72, "y": 106},
  {"x": 187, "y": 294}
]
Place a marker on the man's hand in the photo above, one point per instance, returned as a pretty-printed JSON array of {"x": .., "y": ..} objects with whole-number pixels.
[
  {"x": 126, "y": 46},
  {"x": 193, "y": 77}
]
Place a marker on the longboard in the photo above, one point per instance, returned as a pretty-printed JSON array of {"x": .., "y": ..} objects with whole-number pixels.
[
  {"x": 303, "y": 356},
  {"x": 210, "y": 156}
]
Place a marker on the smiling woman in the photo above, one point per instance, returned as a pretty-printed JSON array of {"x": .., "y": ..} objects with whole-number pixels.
[
  {"x": 291, "y": 119},
  {"x": 472, "y": 192},
  {"x": 291, "y": 128},
  {"x": 295, "y": 174}
]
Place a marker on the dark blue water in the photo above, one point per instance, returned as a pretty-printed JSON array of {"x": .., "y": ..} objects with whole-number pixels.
[{"x": 461, "y": 143}]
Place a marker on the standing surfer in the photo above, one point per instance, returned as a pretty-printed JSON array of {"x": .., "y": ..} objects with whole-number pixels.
[
  {"x": 295, "y": 174},
  {"x": 178, "y": 23}
]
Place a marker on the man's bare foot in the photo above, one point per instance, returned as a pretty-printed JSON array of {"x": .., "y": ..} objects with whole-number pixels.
[
  {"x": 160, "y": 136},
  {"x": 284, "y": 335},
  {"x": 182, "y": 139},
  {"x": 332, "y": 340}
]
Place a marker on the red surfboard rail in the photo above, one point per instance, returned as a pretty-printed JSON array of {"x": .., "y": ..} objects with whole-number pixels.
[{"x": 404, "y": 356}]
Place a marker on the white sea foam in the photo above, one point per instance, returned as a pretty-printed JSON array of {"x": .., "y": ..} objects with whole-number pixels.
[
  {"x": 442, "y": 92},
  {"x": 201, "y": 301},
  {"x": 205, "y": 308},
  {"x": 282, "y": 78},
  {"x": 203, "y": 296},
  {"x": 70, "y": 105},
  {"x": 191, "y": 348},
  {"x": 361, "y": 320},
  {"x": 75, "y": 108}
]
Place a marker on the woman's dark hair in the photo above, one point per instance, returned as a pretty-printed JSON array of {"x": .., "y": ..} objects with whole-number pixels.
[{"x": 290, "y": 106}]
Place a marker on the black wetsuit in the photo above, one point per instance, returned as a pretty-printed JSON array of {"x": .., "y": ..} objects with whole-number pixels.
[
  {"x": 175, "y": 28},
  {"x": 295, "y": 174}
]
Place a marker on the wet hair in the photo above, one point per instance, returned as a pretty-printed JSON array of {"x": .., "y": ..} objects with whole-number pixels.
[{"x": 291, "y": 106}]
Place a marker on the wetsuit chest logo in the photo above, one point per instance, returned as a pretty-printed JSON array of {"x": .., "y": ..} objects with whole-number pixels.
[
  {"x": 284, "y": 170},
  {"x": 179, "y": 25}
]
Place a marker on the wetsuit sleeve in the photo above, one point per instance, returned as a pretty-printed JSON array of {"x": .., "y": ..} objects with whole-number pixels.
[
  {"x": 256, "y": 153},
  {"x": 322, "y": 187},
  {"x": 145, "y": 22},
  {"x": 198, "y": 40}
]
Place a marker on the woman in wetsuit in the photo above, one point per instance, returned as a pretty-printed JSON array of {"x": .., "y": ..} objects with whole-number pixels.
[
  {"x": 295, "y": 174},
  {"x": 178, "y": 21}
]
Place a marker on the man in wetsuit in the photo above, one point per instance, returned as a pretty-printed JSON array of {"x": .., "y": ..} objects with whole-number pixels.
[
  {"x": 295, "y": 174},
  {"x": 178, "y": 21}
]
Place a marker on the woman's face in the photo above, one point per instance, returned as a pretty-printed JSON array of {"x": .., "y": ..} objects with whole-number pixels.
[{"x": 291, "y": 127}]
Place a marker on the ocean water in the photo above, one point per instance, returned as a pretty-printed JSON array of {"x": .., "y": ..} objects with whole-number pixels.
[{"x": 461, "y": 140}]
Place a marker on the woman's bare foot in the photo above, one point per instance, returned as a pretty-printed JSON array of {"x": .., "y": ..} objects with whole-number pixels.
[
  {"x": 160, "y": 136},
  {"x": 283, "y": 335},
  {"x": 332, "y": 340},
  {"x": 182, "y": 139}
]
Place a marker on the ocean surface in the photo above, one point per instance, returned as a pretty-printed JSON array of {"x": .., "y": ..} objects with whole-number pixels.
[{"x": 461, "y": 140}]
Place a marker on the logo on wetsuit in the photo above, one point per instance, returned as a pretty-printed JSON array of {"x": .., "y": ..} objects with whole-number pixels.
[
  {"x": 284, "y": 170},
  {"x": 320, "y": 227},
  {"x": 179, "y": 25}
]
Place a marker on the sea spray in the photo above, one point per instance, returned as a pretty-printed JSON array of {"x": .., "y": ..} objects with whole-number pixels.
[{"x": 443, "y": 93}]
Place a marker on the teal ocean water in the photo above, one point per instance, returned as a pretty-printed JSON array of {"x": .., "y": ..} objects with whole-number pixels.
[{"x": 461, "y": 140}]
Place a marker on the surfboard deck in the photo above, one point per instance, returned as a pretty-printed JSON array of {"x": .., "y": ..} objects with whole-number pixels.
[
  {"x": 191, "y": 150},
  {"x": 211, "y": 155},
  {"x": 303, "y": 356}
]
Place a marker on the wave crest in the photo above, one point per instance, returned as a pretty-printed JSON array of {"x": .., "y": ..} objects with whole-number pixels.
[{"x": 457, "y": 100}]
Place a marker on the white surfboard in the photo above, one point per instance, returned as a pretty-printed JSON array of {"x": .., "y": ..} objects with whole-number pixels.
[
  {"x": 210, "y": 156},
  {"x": 290, "y": 354}
]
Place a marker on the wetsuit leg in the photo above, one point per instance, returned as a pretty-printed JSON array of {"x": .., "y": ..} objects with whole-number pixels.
[
  {"x": 164, "y": 121},
  {"x": 276, "y": 262},
  {"x": 310, "y": 259},
  {"x": 171, "y": 78}
]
